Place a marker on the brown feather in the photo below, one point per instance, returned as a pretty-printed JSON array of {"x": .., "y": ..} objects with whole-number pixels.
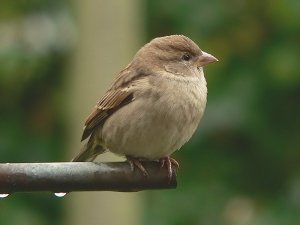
[
  {"x": 116, "y": 97},
  {"x": 114, "y": 101}
]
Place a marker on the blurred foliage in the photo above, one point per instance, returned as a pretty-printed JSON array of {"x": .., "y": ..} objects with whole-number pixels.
[
  {"x": 18, "y": 8},
  {"x": 242, "y": 166},
  {"x": 33, "y": 54}
]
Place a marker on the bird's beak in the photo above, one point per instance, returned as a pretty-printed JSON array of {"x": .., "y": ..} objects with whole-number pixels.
[{"x": 205, "y": 59}]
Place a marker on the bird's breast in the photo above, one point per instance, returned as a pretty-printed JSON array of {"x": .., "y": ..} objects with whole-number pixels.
[{"x": 159, "y": 121}]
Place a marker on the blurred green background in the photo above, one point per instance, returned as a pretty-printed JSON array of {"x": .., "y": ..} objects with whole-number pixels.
[{"x": 241, "y": 167}]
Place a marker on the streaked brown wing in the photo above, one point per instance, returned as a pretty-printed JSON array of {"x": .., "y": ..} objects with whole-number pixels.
[
  {"x": 116, "y": 97},
  {"x": 110, "y": 102}
]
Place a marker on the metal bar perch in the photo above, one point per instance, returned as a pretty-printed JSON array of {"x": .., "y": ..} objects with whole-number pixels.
[{"x": 82, "y": 176}]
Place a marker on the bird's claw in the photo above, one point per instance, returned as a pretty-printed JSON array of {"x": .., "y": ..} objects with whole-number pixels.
[
  {"x": 168, "y": 162},
  {"x": 164, "y": 162},
  {"x": 136, "y": 162}
]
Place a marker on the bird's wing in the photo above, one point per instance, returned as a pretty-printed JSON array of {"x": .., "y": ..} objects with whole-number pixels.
[
  {"x": 117, "y": 96},
  {"x": 109, "y": 103}
]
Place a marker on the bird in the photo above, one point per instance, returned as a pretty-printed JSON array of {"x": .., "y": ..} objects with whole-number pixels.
[{"x": 153, "y": 106}]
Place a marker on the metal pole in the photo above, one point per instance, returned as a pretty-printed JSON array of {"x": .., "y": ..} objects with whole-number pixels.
[{"x": 82, "y": 176}]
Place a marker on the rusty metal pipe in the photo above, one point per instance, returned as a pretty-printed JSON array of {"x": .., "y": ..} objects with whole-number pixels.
[{"x": 82, "y": 176}]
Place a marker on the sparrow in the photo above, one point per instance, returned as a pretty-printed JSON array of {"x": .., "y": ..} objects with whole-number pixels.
[{"x": 153, "y": 106}]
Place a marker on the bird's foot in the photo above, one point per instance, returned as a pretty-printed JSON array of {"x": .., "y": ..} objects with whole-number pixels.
[
  {"x": 168, "y": 162},
  {"x": 136, "y": 162}
]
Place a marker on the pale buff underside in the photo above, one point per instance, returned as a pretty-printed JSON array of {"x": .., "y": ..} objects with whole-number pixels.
[{"x": 160, "y": 119}]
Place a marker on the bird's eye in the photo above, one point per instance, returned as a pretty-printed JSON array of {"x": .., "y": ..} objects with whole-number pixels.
[{"x": 186, "y": 57}]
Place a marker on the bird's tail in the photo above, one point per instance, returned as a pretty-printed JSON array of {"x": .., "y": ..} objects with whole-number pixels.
[{"x": 88, "y": 153}]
